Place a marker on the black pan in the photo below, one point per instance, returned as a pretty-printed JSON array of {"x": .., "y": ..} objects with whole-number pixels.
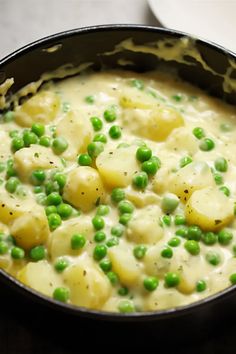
[{"x": 86, "y": 45}]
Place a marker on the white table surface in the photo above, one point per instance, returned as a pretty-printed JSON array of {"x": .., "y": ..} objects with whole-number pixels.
[{"x": 23, "y": 21}]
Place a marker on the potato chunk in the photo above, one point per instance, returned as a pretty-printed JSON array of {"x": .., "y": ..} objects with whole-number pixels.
[
  {"x": 60, "y": 239},
  {"x": 155, "y": 124},
  {"x": 12, "y": 207},
  {"x": 144, "y": 227},
  {"x": 133, "y": 98},
  {"x": 210, "y": 209},
  {"x": 182, "y": 141},
  {"x": 77, "y": 130},
  {"x": 40, "y": 276},
  {"x": 89, "y": 287},
  {"x": 41, "y": 108},
  {"x": 83, "y": 188},
  {"x": 117, "y": 166},
  {"x": 5, "y": 146},
  {"x": 35, "y": 157},
  {"x": 125, "y": 265},
  {"x": 190, "y": 178},
  {"x": 30, "y": 229}
]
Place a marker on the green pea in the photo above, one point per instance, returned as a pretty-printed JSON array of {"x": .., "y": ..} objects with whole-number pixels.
[
  {"x": 103, "y": 210},
  {"x": 37, "y": 253},
  {"x": 117, "y": 230},
  {"x": 206, "y": 144},
  {"x": 51, "y": 187},
  {"x": 150, "y": 283},
  {"x": 17, "y": 143},
  {"x": 3, "y": 247},
  {"x": 209, "y": 238},
  {"x": 17, "y": 253},
  {"x": 59, "y": 145},
  {"x": 98, "y": 222},
  {"x": 126, "y": 306},
  {"x": 38, "y": 176},
  {"x": 54, "y": 198},
  {"x": 99, "y": 252},
  {"x": 84, "y": 160},
  {"x": 64, "y": 210},
  {"x": 201, "y": 286},
  {"x": 115, "y": 132},
  {"x": 12, "y": 184},
  {"x": 169, "y": 203},
  {"x": 54, "y": 221},
  {"x": 113, "y": 241},
  {"x": 139, "y": 84},
  {"x": 117, "y": 195},
  {"x": 45, "y": 141},
  {"x": 198, "y": 133},
  {"x": 61, "y": 264},
  {"x": 171, "y": 279},
  {"x": 89, "y": 99},
  {"x": 194, "y": 233},
  {"x": 8, "y": 117},
  {"x": 225, "y": 190},
  {"x": 10, "y": 169},
  {"x": 151, "y": 166},
  {"x": 99, "y": 236},
  {"x": 14, "y": 134},
  {"x": 96, "y": 123},
  {"x": 192, "y": 247},
  {"x": 2, "y": 167},
  {"x": 95, "y": 148},
  {"x": 174, "y": 242},
  {"x": 139, "y": 251},
  {"x": 167, "y": 252},
  {"x": 100, "y": 138},
  {"x": 225, "y": 237},
  {"x": 125, "y": 218},
  {"x": 180, "y": 220},
  {"x": 218, "y": 178},
  {"x": 29, "y": 138},
  {"x": 41, "y": 198},
  {"x": 125, "y": 206},
  {"x": 232, "y": 278},
  {"x": 185, "y": 161},
  {"x": 52, "y": 129},
  {"x": 123, "y": 291},
  {"x": 61, "y": 294},
  {"x": 38, "y": 129},
  {"x": 110, "y": 115},
  {"x": 50, "y": 209},
  {"x": 166, "y": 219},
  {"x": 143, "y": 153},
  {"x": 213, "y": 258},
  {"x": 105, "y": 265},
  {"x": 221, "y": 164},
  {"x": 182, "y": 231},
  {"x": 140, "y": 180},
  {"x": 77, "y": 241}
]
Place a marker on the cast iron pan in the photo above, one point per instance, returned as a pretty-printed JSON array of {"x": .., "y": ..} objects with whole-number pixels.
[{"x": 86, "y": 45}]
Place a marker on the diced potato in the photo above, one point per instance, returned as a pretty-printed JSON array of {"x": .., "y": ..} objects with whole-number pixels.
[
  {"x": 41, "y": 108},
  {"x": 182, "y": 141},
  {"x": 144, "y": 227},
  {"x": 117, "y": 166},
  {"x": 155, "y": 124},
  {"x": 89, "y": 287},
  {"x": 84, "y": 188},
  {"x": 12, "y": 207},
  {"x": 31, "y": 229},
  {"x": 61, "y": 237},
  {"x": 125, "y": 265},
  {"x": 190, "y": 178},
  {"x": 5, "y": 146},
  {"x": 133, "y": 98},
  {"x": 210, "y": 209},
  {"x": 155, "y": 264},
  {"x": 163, "y": 298},
  {"x": 77, "y": 130},
  {"x": 35, "y": 157},
  {"x": 140, "y": 199},
  {"x": 40, "y": 276}
]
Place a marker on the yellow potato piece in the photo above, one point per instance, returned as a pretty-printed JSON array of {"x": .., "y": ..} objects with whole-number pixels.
[
  {"x": 40, "y": 276},
  {"x": 210, "y": 209},
  {"x": 61, "y": 237},
  {"x": 133, "y": 98},
  {"x": 35, "y": 157},
  {"x": 125, "y": 265},
  {"x": 12, "y": 207},
  {"x": 181, "y": 140},
  {"x": 77, "y": 130},
  {"x": 190, "y": 178},
  {"x": 41, "y": 108},
  {"x": 117, "y": 166},
  {"x": 84, "y": 188},
  {"x": 89, "y": 287}
]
